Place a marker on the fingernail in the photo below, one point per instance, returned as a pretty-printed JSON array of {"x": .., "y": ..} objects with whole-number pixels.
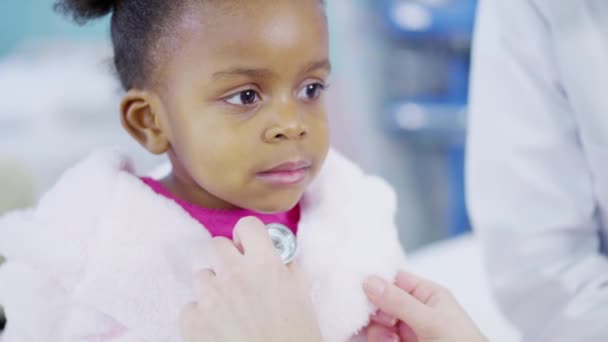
[
  {"x": 375, "y": 286},
  {"x": 384, "y": 318},
  {"x": 390, "y": 337}
]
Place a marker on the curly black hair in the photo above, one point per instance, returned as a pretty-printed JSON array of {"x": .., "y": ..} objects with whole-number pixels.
[{"x": 136, "y": 26}]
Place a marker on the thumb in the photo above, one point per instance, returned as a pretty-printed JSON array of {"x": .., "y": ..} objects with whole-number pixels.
[
  {"x": 251, "y": 237},
  {"x": 398, "y": 303}
]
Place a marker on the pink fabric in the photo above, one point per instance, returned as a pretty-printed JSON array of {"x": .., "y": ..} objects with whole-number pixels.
[{"x": 222, "y": 222}]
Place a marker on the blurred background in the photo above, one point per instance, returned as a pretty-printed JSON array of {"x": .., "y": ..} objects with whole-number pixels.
[{"x": 397, "y": 104}]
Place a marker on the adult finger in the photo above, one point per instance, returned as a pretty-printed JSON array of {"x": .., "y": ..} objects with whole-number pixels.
[
  {"x": 188, "y": 320},
  {"x": 223, "y": 255},
  {"x": 422, "y": 289},
  {"x": 203, "y": 280},
  {"x": 406, "y": 333},
  {"x": 397, "y": 302},
  {"x": 385, "y": 319},
  {"x": 252, "y": 236},
  {"x": 380, "y": 333}
]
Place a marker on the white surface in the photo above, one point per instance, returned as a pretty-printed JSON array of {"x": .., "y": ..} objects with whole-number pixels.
[
  {"x": 59, "y": 102},
  {"x": 458, "y": 265}
]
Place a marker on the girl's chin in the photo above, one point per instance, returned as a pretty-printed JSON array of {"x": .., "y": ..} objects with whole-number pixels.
[{"x": 276, "y": 205}]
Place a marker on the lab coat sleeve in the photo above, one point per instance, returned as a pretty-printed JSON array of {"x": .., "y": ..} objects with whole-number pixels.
[{"x": 529, "y": 188}]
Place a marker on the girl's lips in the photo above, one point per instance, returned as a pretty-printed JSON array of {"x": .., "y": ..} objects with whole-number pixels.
[
  {"x": 289, "y": 166},
  {"x": 286, "y": 174}
]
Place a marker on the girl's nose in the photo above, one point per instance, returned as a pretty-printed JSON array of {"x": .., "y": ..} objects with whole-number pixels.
[{"x": 292, "y": 130}]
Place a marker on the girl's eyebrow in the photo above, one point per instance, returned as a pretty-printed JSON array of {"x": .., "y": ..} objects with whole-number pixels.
[
  {"x": 261, "y": 73},
  {"x": 319, "y": 65},
  {"x": 267, "y": 73}
]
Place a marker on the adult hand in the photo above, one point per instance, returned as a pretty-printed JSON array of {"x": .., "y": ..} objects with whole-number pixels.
[
  {"x": 417, "y": 310},
  {"x": 248, "y": 294}
]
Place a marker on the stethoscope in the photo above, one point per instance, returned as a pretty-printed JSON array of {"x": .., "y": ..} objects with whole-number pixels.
[{"x": 284, "y": 241}]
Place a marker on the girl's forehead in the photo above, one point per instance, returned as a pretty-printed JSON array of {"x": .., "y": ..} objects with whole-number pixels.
[
  {"x": 243, "y": 20},
  {"x": 281, "y": 28}
]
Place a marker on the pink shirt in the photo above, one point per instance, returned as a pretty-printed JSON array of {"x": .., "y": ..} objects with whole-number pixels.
[{"x": 222, "y": 222}]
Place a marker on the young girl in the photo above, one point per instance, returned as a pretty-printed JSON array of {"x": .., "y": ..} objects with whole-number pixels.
[{"x": 232, "y": 92}]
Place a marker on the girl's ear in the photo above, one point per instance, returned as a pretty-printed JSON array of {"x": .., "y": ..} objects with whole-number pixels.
[{"x": 140, "y": 115}]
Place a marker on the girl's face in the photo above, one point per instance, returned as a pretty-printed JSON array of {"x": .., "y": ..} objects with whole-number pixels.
[{"x": 242, "y": 100}]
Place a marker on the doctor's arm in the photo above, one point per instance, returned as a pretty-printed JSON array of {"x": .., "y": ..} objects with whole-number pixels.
[{"x": 529, "y": 188}]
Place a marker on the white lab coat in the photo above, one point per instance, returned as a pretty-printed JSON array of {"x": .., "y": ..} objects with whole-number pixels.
[{"x": 537, "y": 164}]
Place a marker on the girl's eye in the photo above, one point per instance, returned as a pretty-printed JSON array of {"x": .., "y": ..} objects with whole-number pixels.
[
  {"x": 311, "y": 91},
  {"x": 244, "y": 98}
]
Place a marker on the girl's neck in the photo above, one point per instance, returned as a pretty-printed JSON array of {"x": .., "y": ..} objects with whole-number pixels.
[
  {"x": 221, "y": 222},
  {"x": 187, "y": 190}
]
